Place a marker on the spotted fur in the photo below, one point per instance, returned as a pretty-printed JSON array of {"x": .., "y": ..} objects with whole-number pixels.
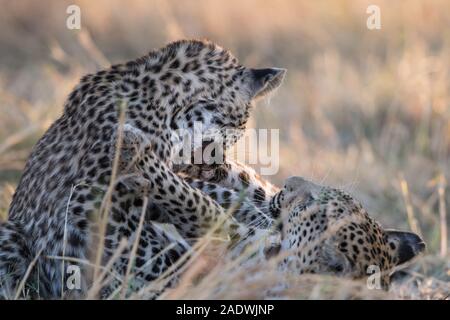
[
  {"x": 323, "y": 230},
  {"x": 56, "y": 205}
]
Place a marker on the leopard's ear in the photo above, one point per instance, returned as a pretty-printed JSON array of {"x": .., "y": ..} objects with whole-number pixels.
[
  {"x": 298, "y": 190},
  {"x": 404, "y": 245},
  {"x": 266, "y": 80},
  {"x": 334, "y": 260}
]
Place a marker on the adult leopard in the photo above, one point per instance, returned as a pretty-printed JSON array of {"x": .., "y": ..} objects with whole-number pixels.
[
  {"x": 323, "y": 230},
  {"x": 60, "y": 193}
]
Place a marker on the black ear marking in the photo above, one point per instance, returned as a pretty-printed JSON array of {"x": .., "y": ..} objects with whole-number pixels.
[
  {"x": 264, "y": 75},
  {"x": 266, "y": 80},
  {"x": 335, "y": 260},
  {"x": 272, "y": 250},
  {"x": 407, "y": 244}
]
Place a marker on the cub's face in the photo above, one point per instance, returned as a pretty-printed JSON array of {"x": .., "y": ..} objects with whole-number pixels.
[
  {"x": 325, "y": 230},
  {"x": 215, "y": 92}
]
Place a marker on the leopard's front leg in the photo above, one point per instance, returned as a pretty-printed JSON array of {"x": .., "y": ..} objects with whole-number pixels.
[
  {"x": 243, "y": 209},
  {"x": 237, "y": 177},
  {"x": 192, "y": 212}
]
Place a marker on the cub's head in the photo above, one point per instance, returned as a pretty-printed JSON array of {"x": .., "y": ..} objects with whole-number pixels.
[
  {"x": 326, "y": 231},
  {"x": 207, "y": 90}
]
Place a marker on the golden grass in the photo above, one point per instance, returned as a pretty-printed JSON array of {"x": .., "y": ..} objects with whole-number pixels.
[{"x": 367, "y": 111}]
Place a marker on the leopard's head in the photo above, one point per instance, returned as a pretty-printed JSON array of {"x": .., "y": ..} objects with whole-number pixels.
[
  {"x": 211, "y": 92},
  {"x": 326, "y": 231}
]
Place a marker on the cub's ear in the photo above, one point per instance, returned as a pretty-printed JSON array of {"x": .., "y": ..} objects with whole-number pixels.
[{"x": 404, "y": 245}]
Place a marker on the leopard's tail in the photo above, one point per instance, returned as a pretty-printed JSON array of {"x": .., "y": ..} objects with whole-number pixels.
[{"x": 14, "y": 259}]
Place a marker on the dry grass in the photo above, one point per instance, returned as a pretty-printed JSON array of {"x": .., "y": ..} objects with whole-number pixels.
[{"x": 368, "y": 111}]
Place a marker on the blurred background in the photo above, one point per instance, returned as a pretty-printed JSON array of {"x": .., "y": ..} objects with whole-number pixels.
[{"x": 364, "y": 110}]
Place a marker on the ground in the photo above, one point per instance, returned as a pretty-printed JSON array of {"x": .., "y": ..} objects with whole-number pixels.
[{"x": 364, "y": 110}]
